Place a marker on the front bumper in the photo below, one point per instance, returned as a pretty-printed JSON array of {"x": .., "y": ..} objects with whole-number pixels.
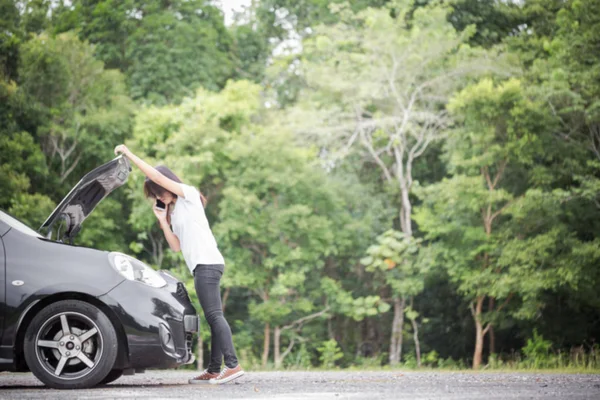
[{"x": 157, "y": 324}]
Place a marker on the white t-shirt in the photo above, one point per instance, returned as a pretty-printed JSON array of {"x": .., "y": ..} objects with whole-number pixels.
[{"x": 190, "y": 225}]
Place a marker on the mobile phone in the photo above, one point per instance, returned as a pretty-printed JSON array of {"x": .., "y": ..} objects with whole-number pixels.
[{"x": 160, "y": 205}]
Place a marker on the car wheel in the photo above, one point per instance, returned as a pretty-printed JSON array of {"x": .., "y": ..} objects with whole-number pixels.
[
  {"x": 112, "y": 376},
  {"x": 70, "y": 344}
]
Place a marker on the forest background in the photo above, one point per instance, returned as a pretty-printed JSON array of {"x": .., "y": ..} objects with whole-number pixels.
[{"x": 392, "y": 183}]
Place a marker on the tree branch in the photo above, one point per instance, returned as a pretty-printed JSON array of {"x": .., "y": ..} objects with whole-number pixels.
[
  {"x": 499, "y": 173},
  {"x": 487, "y": 328},
  {"x": 377, "y": 159},
  {"x": 486, "y": 173},
  {"x": 288, "y": 349},
  {"x": 510, "y": 295},
  {"x": 498, "y": 212},
  {"x": 66, "y": 173},
  {"x": 305, "y": 319}
]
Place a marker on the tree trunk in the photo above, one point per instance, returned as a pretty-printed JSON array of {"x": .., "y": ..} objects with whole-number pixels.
[
  {"x": 405, "y": 213},
  {"x": 488, "y": 220},
  {"x": 479, "y": 333},
  {"x": 492, "y": 336},
  {"x": 417, "y": 344},
  {"x": 200, "y": 361},
  {"x": 416, "y": 334},
  {"x": 478, "y": 345},
  {"x": 396, "y": 337},
  {"x": 492, "y": 341},
  {"x": 266, "y": 344},
  {"x": 276, "y": 348},
  {"x": 330, "y": 329},
  {"x": 225, "y": 297}
]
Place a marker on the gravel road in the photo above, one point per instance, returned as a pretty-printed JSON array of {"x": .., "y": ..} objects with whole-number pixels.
[{"x": 324, "y": 385}]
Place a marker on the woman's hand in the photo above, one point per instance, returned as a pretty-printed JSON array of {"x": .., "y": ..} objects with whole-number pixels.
[
  {"x": 161, "y": 215},
  {"x": 123, "y": 150},
  {"x": 172, "y": 239}
]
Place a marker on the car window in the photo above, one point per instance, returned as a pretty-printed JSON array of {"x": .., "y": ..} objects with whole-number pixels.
[{"x": 18, "y": 225}]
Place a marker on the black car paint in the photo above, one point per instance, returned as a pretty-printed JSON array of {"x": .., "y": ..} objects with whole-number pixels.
[
  {"x": 47, "y": 268},
  {"x": 52, "y": 270},
  {"x": 159, "y": 307}
]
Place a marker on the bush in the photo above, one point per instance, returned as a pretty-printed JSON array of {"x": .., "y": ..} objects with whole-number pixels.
[
  {"x": 410, "y": 361},
  {"x": 330, "y": 353},
  {"x": 537, "y": 352},
  {"x": 370, "y": 362},
  {"x": 299, "y": 359},
  {"x": 430, "y": 359},
  {"x": 450, "y": 363}
]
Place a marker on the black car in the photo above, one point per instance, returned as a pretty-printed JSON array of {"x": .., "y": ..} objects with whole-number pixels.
[{"x": 77, "y": 317}]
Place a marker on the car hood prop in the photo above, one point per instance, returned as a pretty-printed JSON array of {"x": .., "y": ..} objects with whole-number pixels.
[{"x": 86, "y": 195}]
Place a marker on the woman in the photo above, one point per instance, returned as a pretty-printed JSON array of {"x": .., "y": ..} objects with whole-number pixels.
[{"x": 191, "y": 234}]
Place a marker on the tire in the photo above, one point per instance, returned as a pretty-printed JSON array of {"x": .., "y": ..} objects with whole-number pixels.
[
  {"x": 112, "y": 376},
  {"x": 83, "y": 357}
]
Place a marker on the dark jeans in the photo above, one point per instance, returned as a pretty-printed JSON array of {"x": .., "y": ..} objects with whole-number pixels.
[{"x": 207, "y": 279}]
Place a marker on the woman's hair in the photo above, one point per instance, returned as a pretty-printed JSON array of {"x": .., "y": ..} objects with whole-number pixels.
[{"x": 154, "y": 190}]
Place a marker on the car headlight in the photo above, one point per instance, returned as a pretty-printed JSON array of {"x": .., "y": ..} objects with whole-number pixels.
[{"x": 135, "y": 270}]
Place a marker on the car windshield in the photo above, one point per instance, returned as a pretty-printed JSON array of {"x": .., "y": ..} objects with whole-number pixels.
[{"x": 18, "y": 225}]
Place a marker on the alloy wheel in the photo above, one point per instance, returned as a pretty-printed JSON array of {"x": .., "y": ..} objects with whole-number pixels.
[{"x": 69, "y": 345}]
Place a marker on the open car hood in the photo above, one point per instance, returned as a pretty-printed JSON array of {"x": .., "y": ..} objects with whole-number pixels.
[{"x": 86, "y": 195}]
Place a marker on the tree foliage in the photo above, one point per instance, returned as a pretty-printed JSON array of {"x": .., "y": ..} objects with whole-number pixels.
[{"x": 412, "y": 182}]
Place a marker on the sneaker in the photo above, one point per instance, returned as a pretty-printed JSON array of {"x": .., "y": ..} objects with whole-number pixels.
[
  {"x": 204, "y": 377},
  {"x": 227, "y": 375}
]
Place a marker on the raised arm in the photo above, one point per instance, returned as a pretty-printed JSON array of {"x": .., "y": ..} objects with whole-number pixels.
[{"x": 150, "y": 171}]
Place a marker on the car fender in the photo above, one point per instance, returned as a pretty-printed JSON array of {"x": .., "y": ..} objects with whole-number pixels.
[
  {"x": 51, "y": 294},
  {"x": 50, "y": 269}
]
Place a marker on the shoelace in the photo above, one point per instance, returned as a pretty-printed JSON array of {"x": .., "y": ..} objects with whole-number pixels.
[
  {"x": 205, "y": 372},
  {"x": 222, "y": 374}
]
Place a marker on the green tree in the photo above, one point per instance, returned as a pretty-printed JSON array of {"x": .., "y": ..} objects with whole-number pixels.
[
  {"x": 22, "y": 163},
  {"x": 284, "y": 24},
  {"x": 63, "y": 119},
  {"x": 20, "y": 159},
  {"x": 165, "y": 49},
  {"x": 85, "y": 107},
  {"x": 493, "y": 20},
  {"x": 384, "y": 100},
  {"x": 562, "y": 69},
  {"x": 252, "y": 50},
  {"x": 403, "y": 265},
  {"x": 275, "y": 224},
  {"x": 570, "y": 81},
  {"x": 9, "y": 39},
  {"x": 489, "y": 224}
]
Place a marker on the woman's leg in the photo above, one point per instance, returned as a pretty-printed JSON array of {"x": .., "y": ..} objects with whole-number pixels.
[{"x": 207, "y": 279}]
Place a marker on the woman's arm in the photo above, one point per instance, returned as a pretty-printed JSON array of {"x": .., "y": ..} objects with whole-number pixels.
[
  {"x": 172, "y": 239},
  {"x": 150, "y": 171}
]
